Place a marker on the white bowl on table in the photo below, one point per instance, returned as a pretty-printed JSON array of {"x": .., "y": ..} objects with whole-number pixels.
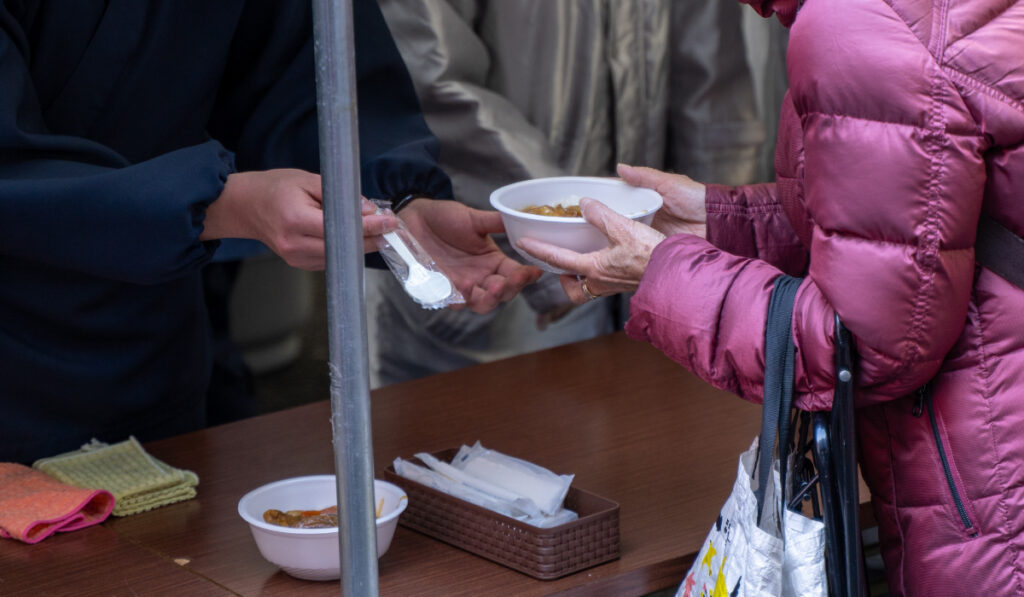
[
  {"x": 312, "y": 554},
  {"x": 636, "y": 203}
]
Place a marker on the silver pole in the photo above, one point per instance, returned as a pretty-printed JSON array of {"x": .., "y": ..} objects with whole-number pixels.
[{"x": 349, "y": 364}]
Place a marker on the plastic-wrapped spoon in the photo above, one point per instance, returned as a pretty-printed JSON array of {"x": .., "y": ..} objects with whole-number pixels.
[{"x": 415, "y": 270}]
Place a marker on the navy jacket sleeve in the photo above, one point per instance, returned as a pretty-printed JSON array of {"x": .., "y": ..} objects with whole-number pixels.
[
  {"x": 266, "y": 111},
  {"x": 95, "y": 195},
  {"x": 70, "y": 202}
]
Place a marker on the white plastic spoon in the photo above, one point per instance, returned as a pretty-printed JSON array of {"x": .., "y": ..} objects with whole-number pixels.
[{"x": 426, "y": 286}]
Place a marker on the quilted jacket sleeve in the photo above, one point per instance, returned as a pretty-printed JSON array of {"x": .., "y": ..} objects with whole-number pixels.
[
  {"x": 893, "y": 183},
  {"x": 750, "y": 222}
]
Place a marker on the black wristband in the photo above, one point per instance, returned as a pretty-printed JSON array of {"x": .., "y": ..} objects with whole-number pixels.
[{"x": 401, "y": 202}]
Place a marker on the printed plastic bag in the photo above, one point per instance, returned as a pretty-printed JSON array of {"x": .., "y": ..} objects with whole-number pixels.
[{"x": 740, "y": 558}]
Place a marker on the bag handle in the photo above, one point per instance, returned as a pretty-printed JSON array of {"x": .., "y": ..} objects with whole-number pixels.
[{"x": 778, "y": 384}]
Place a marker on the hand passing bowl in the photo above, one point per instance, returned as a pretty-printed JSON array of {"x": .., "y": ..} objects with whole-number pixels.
[{"x": 572, "y": 233}]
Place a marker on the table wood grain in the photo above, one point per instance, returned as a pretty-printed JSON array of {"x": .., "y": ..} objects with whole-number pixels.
[
  {"x": 94, "y": 561},
  {"x": 632, "y": 426}
]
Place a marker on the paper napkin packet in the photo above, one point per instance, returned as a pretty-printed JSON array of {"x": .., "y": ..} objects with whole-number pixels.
[
  {"x": 138, "y": 481},
  {"x": 510, "y": 486}
]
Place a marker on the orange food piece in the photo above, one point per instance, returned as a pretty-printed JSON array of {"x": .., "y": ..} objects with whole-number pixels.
[{"x": 303, "y": 519}]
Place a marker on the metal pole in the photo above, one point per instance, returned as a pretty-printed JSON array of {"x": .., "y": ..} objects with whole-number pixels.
[{"x": 349, "y": 363}]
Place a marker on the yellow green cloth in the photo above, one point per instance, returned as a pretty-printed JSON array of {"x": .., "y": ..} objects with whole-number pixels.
[{"x": 138, "y": 481}]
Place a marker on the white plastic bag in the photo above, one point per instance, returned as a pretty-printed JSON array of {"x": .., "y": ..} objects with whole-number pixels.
[{"x": 740, "y": 558}]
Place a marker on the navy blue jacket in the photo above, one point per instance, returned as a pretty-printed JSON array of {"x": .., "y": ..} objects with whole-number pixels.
[{"x": 119, "y": 123}]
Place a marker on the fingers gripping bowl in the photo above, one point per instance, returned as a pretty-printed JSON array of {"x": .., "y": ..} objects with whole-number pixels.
[
  {"x": 312, "y": 553},
  {"x": 571, "y": 233}
]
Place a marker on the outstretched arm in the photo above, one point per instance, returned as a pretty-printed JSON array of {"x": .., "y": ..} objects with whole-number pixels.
[
  {"x": 283, "y": 209},
  {"x": 746, "y": 220},
  {"x": 892, "y": 195}
]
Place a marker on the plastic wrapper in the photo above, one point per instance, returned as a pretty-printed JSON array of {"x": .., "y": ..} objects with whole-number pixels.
[
  {"x": 428, "y": 477},
  {"x": 541, "y": 486},
  {"x": 500, "y": 483},
  {"x": 413, "y": 267}
]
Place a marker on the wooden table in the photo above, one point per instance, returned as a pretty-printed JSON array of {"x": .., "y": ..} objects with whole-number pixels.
[{"x": 632, "y": 426}]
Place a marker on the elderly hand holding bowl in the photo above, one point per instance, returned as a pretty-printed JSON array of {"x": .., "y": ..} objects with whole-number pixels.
[{"x": 620, "y": 266}]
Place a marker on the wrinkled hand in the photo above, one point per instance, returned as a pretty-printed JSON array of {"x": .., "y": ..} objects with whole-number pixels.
[
  {"x": 283, "y": 209},
  {"x": 683, "y": 210},
  {"x": 458, "y": 238},
  {"x": 615, "y": 268}
]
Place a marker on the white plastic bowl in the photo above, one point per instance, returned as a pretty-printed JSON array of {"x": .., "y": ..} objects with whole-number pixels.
[
  {"x": 312, "y": 554},
  {"x": 572, "y": 233}
]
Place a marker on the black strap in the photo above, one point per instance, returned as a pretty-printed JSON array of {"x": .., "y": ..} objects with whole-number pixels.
[
  {"x": 778, "y": 384},
  {"x": 399, "y": 202},
  {"x": 1000, "y": 250}
]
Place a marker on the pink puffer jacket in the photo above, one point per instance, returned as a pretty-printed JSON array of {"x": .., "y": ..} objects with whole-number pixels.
[{"x": 904, "y": 119}]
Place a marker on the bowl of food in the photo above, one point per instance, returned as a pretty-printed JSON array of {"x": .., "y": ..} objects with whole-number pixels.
[
  {"x": 547, "y": 209},
  {"x": 295, "y": 523}
]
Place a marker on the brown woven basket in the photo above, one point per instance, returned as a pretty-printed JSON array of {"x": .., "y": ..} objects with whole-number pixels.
[{"x": 541, "y": 553}]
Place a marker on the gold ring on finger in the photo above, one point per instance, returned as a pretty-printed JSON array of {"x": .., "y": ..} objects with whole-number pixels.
[{"x": 586, "y": 291}]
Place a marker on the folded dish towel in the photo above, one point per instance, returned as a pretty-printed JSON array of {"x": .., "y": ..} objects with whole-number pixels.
[
  {"x": 138, "y": 481},
  {"x": 34, "y": 505}
]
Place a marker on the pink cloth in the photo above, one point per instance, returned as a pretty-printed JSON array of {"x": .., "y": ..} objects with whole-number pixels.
[
  {"x": 904, "y": 120},
  {"x": 34, "y": 505}
]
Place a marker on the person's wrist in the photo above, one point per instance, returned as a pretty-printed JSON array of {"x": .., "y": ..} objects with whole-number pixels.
[
  {"x": 403, "y": 201},
  {"x": 655, "y": 239},
  {"x": 218, "y": 220},
  {"x": 702, "y": 202}
]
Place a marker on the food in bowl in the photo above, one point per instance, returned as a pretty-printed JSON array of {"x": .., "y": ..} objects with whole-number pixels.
[
  {"x": 312, "y": 553},
  {"x": 303, "y": 519},
  {"x": 308, "y": 519},
  {"x": 576, "y": 234},
  {"x": 554, "y": 211}
]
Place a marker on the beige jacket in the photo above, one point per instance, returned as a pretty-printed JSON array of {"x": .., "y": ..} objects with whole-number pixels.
[
  {"x": 530, "y": 88},
  {"x": 518, "y": 89}
]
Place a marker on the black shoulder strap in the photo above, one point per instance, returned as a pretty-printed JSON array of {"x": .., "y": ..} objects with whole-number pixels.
[
  {"x": 1000, "y": 250},
  {"x": 778, "y": 383}
]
